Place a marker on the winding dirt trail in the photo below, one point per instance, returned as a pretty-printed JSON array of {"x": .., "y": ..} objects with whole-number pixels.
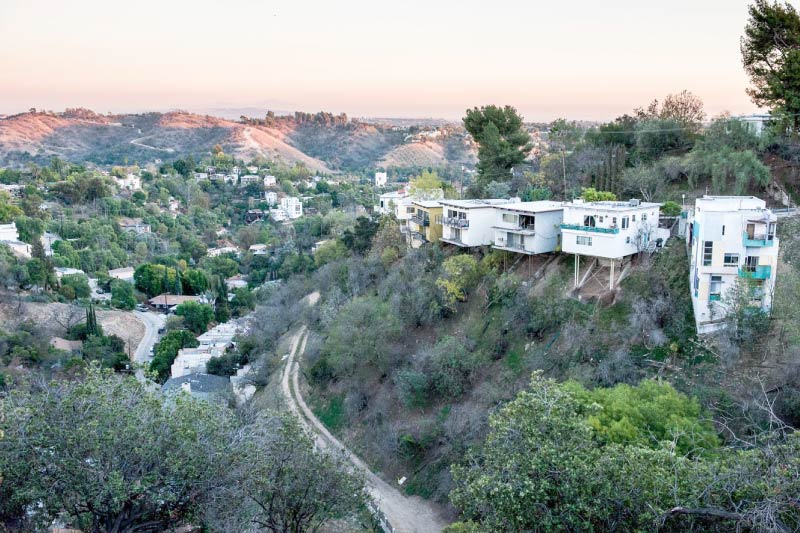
[{"x": 405, "y": 514}]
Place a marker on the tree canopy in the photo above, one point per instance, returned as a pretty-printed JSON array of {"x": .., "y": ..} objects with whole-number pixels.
[{"x": 502, "y": 141}]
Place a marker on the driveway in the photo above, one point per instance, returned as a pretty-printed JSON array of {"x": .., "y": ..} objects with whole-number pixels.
[{"x": 152, "y": 323}]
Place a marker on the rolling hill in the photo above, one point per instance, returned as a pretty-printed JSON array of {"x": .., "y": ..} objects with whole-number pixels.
[{"x": 82, "y": 135}]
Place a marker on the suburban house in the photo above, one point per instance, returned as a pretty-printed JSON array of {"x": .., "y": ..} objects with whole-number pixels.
[
  {"x": 212, "y": 343},
  {"x": 271, "y": 197},
  {"x": 425, "y": 225},
  {"x": 757, "y": 122},
  {"x": 732, "y": 243},
  {"x": 249, "y": 179},
  {"x": 259, "y": 249},
  {"x": 134, "y": 225},
  {"x": 388, "y": 201},
  {"x": 223, "y": 250},
  {"x": 270, "y": 181},
  {"x": 131, "y": 182},
  {"x": 10, "y": 237},
  {"x": 236, "y": 282},
  {"x": 125, "y": 274},
  {"x": 67, "y": 271},
  {"x": 291, "y": 206},
  {"x": 252, "y": 169},
  {"x": 609, "y": 232},
  {"x": 200, "y": 176},
  {"x": 468, "y": 223},
  {"x": 168, "y": 302},
  {"x": 380, "y": 179},
  {"x": 528, "y": 227}
]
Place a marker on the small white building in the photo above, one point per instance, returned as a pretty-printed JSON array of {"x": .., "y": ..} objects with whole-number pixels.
[
  {"x": 249, "y": 179},
  {"x": 223, "y": 250},
  {"x": 470, "y": 223},
  {"x": 252, "y": 169},
  {"x": 292, "y": 206},
  {"x": 528, "y": 227},
  {"x": 131, "y": 182},
  {"x": 270, "y": 181},
  {"x": 381, "y": 178},
  {"x": 388, "y": 201},
  {"x": 259, "y": 249},
  {"x": 271, "y": 197},
  {"x": 756, "y": 122},
  {"x": 732, "y": 242},
  {"x": 8, "y": 232},
  {"x": 200, "y": 176},
  {"x": 609, "y": 232}
]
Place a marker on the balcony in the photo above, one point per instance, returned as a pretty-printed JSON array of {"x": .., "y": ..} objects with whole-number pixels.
[
  {"x": 758, "y": 240},
  {"x": 756, "y": 272},
  {"x": 455, "y": 222},
  {"x": 421, "y": 221},
  {"x": 590, "y": 229}
]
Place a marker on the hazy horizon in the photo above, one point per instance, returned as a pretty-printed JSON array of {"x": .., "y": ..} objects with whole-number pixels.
[{"x": 580, "y": 60}]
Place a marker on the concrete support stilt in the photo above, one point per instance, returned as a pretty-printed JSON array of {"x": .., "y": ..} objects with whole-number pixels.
[
  {"x": 577, "y": 269},
  {"x": 611, "y": 280}
]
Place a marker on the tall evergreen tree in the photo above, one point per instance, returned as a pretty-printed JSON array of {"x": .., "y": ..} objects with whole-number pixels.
[{"x": 503, "y": 142}]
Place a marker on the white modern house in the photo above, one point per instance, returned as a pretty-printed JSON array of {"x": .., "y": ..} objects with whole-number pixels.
[
  {"x": 470, "y": 223},
  {"x": 292, "y": 206},
  {"x": 732, "y": 242},
  {"x": 380, "y": 179},
  {"x": 389, "y": 200},
  {"x": 270, "y": 181},
  {"x": 8, "y": 232},
  {"x": 10, "y": 238},
  {"x": 756, "y": 122},
  {"x": 131, "y": 182},
  {"x": 609, "y": 233},
  {"x": 528, "y": 227}
]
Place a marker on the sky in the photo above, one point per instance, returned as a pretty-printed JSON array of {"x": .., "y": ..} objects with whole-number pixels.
[{"x": 589, "y": 59}]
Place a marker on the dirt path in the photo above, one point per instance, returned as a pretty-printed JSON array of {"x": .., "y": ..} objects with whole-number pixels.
[
  {"x": 404, "y": 513},
  {"x": 136, "y": 142}
]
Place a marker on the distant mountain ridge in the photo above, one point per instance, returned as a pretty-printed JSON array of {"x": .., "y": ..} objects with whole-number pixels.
[{"x": 322, "y": 142}]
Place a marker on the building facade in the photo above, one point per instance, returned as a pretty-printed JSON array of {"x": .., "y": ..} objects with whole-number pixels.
[
  {"x": 469, "y": 223},
  {"x": 733, "y": 252},
  {"x": 425, "y": 225},
  {"x": 528, "y": 227}
]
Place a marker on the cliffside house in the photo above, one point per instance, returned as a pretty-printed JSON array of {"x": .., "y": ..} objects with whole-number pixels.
[{"x": 733, "y": 244}]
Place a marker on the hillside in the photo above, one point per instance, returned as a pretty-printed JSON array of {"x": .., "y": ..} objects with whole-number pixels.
[{"x": 82, "y": 135}]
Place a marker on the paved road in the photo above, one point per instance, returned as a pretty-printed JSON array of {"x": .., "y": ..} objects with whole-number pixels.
[
  {"x": 404, "y": 513},
  {"x": 152, "y": 322}
]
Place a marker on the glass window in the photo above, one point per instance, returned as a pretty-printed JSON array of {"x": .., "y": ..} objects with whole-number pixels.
[
  {"x": 633, "y": 218},
  {"x": 644, "y": 217},
  {"x": 624, "y": 222},
  {"x": 715, "y": 288},
  {"x": 731, "y": 260},
  {"x": 708, "y": 250},
  {"x": 583, "y": 240},
  {"x": 508, "y": 217},
  {"x": 589, "y": 221},
  {"x": 723, "y": 230}
]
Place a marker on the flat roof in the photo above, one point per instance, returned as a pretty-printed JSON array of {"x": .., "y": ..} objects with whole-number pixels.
[
  {"x": 611, "y": 205},
  {"x": 728, "y": 203},
  {"x": 480, "y": 203},
  {"x": 540, "y": 206},
  {"x": 427, "y": 203}
]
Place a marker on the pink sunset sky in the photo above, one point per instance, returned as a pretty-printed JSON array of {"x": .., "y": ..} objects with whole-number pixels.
[{"x": 435, "y": 58}]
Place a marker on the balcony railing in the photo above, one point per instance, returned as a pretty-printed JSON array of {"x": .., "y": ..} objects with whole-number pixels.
[
  {"x": 756, "y": 272},
  {"x": 758, "y": 240},
  {"x": 455, "y": 222},
  {"x": 420, "y": 221},
  {"x": 590, "y": 229}
]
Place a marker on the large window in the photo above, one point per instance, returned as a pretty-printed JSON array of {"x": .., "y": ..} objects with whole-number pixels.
[
  {"x": 624, "y": 222},
  {"x": 750, "y": 263},
  {"x": 509, "y": 218},
  {"x": 731, "y": 260},
  {"x": 583, "y": 240},
  {"x": 708, "y": 250},
  {"x": 715, "y": 289},
  {"x": 588, "y": 221}
]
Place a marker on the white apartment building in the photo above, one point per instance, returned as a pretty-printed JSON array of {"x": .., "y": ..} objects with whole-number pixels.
[
  {"x": 380, "y": 179},
  {"x": 470, "y": 223},
  {"x": 271, "y": 197},
  {"x": 131, "y": 182},
  {"x": 528, "y": 227},
  {"x": 292, "y": 206},
  {"x": 730, "y": 238},
  {"x": 270, "y": 181},
  {"x": 609, "y": 232}
]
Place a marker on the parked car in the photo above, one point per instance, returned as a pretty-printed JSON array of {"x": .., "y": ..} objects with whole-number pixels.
[{"x": 161, "y": 330}]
